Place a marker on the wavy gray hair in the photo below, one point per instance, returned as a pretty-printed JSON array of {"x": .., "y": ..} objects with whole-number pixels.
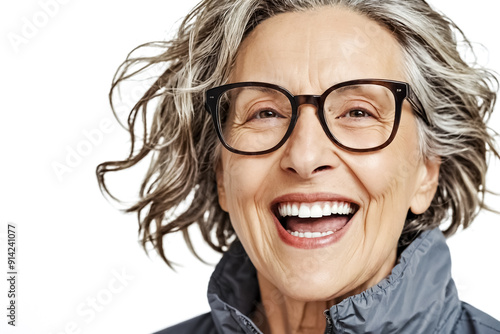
[{"x": 183, "y": 146}]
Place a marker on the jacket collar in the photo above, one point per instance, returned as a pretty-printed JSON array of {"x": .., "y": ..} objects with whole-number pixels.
[
  {"x": 233, "y": 292},
  {"x": 419, "y": 296}
]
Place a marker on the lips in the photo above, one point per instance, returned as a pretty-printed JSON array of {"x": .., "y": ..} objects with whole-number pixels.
[{"x": 307, "y": 221}]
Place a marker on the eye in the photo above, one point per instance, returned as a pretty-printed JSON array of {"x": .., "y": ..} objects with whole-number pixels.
[
  {"x": 357, "y": 113},
  {"x": 266, "y": 114}
]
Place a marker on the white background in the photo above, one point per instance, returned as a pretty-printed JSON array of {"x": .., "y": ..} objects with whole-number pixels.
[{"x": 72, "y": 243}]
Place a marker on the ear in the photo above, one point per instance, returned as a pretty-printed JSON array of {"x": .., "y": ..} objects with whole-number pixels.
[
  {"x": 219, "y": 175},
  {"x": 426, "y": 186}
]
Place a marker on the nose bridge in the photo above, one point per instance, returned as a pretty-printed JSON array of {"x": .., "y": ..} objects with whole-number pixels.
[
  {"x": 305, "y": 153},
  {"x": 311, "y": 100},
  {"x": 307, "y": 99}
]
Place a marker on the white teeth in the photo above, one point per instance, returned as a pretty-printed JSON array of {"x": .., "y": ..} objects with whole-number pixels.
[
  {"x": 304, "y": 211},
  {"x": 335, "y": 207},
  {"x": 341, "y": 209},
  {"x": 310, "y": 234},
  {"x": 327, "y": 209},
  {"x": 315, "y": 210}
]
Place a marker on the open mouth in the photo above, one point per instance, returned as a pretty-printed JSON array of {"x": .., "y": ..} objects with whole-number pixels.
[{"x": 316, "y": 219}]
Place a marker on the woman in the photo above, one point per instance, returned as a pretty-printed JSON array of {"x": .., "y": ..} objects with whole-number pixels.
[{"x": 339, "y": 136}]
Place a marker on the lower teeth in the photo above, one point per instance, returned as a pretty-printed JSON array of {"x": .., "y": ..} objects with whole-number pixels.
[{"x": 310, "y": 234}]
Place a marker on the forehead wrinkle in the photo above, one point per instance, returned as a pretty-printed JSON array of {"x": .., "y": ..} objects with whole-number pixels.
[{"x": 310, "y": 69}]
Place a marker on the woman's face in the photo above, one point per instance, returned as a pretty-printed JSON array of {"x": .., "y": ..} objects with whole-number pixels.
[{"x": 307, "y": 52}]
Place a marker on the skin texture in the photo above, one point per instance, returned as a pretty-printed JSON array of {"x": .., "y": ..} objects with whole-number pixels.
[{"x": 307, "y": 52}]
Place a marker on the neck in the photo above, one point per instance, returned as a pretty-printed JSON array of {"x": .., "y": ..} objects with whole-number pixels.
[
  {"x": 287, "y": 315},
  {"x": 283, "y": 314}
]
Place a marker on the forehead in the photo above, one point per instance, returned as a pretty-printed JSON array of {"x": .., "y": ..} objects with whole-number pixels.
[{"x": 314, "y": 49}]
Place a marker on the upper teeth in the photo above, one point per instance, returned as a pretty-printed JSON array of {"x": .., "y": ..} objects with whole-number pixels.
[{"x": 315, "y": 210}]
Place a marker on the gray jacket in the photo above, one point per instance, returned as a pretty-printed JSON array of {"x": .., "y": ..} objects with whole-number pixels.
[{"x": 419, "y": 296}]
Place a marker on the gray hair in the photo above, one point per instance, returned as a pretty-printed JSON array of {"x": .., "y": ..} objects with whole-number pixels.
[{"x": 183, "y": 148}]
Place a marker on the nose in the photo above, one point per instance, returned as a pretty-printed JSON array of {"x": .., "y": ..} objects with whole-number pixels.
[{"x": 308, "y": 151}]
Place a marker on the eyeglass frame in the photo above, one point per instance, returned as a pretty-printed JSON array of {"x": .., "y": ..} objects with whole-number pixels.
[{"x": 400, "y": 90}]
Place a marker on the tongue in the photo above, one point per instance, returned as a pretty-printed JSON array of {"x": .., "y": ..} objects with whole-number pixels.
[{"x": 325, "y": 224}]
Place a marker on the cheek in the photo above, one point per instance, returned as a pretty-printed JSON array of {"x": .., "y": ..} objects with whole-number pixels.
[
  {"x": 382, "y": 176},
  {"x": 247, "y": 187},
  {"x": 389, "y": 178},
  {"x": 243, "y": 179},
  {"x": 392, "y": 171}
]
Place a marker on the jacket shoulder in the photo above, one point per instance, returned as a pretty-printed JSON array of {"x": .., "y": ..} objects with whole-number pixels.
[
  {"x": 472, "y": 320},
  {"x": 200, "y": 324}
]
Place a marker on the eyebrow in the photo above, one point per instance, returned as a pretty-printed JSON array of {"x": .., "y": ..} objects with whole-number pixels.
[
  {"x": 359, "y": 88},
  {"x": 257, "y": 88},
  {"x": 351, "y": 87}
]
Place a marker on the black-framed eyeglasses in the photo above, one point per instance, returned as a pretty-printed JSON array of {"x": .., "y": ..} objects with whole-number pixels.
[{"x": 253, "y": 118}]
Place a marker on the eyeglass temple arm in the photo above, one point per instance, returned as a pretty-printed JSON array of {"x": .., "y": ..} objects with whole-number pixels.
[{"x": 417, "y": 105}]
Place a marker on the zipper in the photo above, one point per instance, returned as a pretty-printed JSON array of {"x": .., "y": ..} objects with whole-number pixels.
[
  {"x": 329, "y": 322},
  {"x": 249, "y": 325}
]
